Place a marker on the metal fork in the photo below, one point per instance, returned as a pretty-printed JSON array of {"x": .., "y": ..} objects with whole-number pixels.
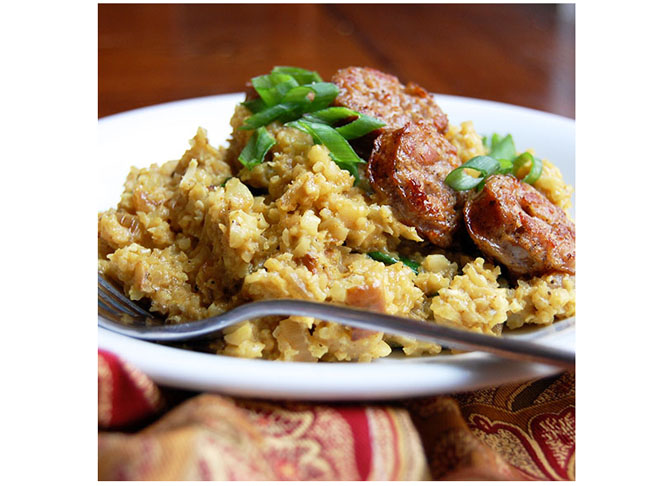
[{"x": 119, "y": 314}]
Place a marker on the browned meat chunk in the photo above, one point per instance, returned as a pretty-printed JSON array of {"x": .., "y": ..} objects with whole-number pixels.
[
  {"x": 407, "y": 167},
  {"x": 382, "y": 96},
  {"x": 519, "y": 227},
  {"x": 370, "y": 297}
]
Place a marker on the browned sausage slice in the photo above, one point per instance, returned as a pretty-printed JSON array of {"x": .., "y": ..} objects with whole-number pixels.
[
  {"x": 383, "y": 96},
  {"x": 519, "y": 227},
  {"x": 407, "y": 168}
]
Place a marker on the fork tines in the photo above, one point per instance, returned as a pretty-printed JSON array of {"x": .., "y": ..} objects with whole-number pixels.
[{"x": 114, "y": 305}]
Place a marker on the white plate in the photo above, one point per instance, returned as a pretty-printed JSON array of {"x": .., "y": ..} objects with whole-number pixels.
[{"x": 160, "y": 133}]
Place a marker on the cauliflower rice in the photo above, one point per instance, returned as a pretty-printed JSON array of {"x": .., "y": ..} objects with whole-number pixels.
[{"x": 200, "y": 235}]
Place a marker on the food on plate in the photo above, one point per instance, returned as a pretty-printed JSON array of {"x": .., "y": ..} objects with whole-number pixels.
[
  {"x": 408, "y": 167},
  {"x": 382, "y": 96},
  {"x": 356, "y": 192},
  {"x": 519, "y": 227}
]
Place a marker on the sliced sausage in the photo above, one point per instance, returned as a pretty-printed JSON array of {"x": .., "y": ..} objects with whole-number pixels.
[
  {"x": 407, "y": 168},
  {"x": 383, "y": 96},
  {"x": 519, "y": 227}
]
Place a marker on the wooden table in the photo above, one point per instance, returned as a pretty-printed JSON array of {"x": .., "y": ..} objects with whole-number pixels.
[{"x": 520, "y": 54}]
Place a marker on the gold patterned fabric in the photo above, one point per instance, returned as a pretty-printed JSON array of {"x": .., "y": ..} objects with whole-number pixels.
[{"x": 512, "y": 432}]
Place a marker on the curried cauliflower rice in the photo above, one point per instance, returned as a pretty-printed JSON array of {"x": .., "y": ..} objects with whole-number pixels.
[{"x": 200, "y": 235}]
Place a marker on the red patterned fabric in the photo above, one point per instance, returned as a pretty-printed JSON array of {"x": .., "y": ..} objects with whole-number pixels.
[
  {"x": 514, "y": 432},
  {"x": 125, "y": 394}
]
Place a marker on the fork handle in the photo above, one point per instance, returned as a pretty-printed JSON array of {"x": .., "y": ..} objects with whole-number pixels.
[
  {"x": 401, "y": 326},
  {"x": 427, "y": 331}
]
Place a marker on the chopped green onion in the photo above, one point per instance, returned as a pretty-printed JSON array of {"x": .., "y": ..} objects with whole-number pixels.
[
  {"x": 410, "y": 263},
  {"x": 502, "y": 147},
  {"x": 502, "y": 159},
  {"x": 383, "y": 257},
  {"x": 333, "y": 114},
  {"x": 302, "y": 76},
  {"x": 312, "y": 97},
  {"x": 300, "y": 99},
  {"x": 506, "y": 166},
  {"x": 225, "y": 181},
  {"x": 294, "y": 103},
  {"x": 534, "y": 172},
  {"x": 484, "y": 164},
  {"x": 459, "y": 180},
  {"x": 254, "y": 105},
  {"x": 339, "y": 148},
  {"x": 273, "y": 87},
  {"x": 268, "y": 115},
  {"x": 340, "y": 151},
  {"x": 390, "y": 260},
  {"x": 256, "y": 149},
  {"x": 359, "y": 127}
]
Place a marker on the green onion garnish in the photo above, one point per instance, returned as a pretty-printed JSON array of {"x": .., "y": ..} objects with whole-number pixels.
[
  {"x": 303, "y": 76},
  {"x": 333, "y": 114},
  {"x": 459, "y": 180},
  {"x": 273, "y": 87},
  {"x": 312, "y": 97},
  {"x": 300, "y": 99},
  {"x": 254, "y": 105},
  {"x": 502, "y": 147},
  {"x": 339, "y": 149},
  {"x": 536, "y": 167},
  {"x": 267, "y": 116},
  {"x": 256, "y": 149},
  {"x": 502, "y": 159},
  {"x": 360, "y": 126},
  {"x": 390, "y": 260},
  {"x": 293, "y": 104}
]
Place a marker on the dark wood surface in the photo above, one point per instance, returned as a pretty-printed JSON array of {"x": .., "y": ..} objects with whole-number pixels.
[{"x": 519, "y": 54}]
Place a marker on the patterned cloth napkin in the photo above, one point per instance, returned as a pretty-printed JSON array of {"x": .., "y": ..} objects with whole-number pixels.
[{"x": 524, "y": 431}]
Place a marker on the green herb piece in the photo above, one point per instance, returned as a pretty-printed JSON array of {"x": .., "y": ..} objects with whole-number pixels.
[
  {"x": 390, "y": 260},
  {"x": 294, "y": 103},
  {"x": 312, "y": 97},
  {"x": 302, "y": 76},
  {"x": 256, "y": 149},
  {"x": 534, "y": 172},
  {"x": 459, "y": 180},
  {"x": 383, "y": 257},
  {"x": 502, "y": 159},
  {"x": 255, "y": 105},
  {"x": 268, "y": 115},
  {"x": 360, "y": 126},
  {"x": 486, "y": 143},
  {"x": 410, "y": 263},
  {"x": 339, "y": 149},
  {"x": 506, "y": 166},
  {"x": 273, "y": 87},
  {"x": 333, "y": 114},
  {"x": 502, "y": 147},
  {"x": 225, "y": 181},
  {"x": 299, "y": 98}
]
